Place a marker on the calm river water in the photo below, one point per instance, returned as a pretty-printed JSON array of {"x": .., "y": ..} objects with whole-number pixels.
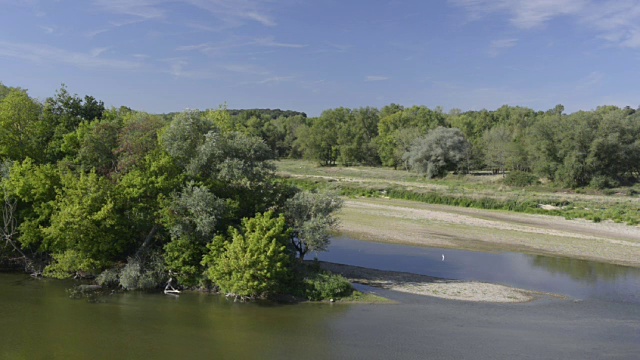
[{"x": 38, "y": 320}]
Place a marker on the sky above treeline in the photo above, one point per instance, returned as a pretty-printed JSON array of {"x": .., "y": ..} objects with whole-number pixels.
[{"x": 167, "y": 55}]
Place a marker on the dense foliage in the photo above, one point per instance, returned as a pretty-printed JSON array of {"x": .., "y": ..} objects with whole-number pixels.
[
  {"x": 138, "y": 198},
  {"x": 194, "y": 195}
]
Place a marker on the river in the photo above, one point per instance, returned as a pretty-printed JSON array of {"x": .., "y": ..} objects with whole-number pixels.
[{"x": 601, "y": 320}]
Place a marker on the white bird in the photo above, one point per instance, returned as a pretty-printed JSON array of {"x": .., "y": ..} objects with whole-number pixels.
[{"x": 442, "y": 257}]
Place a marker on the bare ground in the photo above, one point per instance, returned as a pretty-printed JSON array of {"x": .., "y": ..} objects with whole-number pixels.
[
  {"x": 398, "y": 221},
  {"x": 431, "y": 286}
]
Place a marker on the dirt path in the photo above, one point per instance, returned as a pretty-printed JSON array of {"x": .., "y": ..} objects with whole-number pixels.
[{"x": 485, "y": 230}]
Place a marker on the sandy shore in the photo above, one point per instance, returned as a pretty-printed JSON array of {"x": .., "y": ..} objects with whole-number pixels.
[
  {"x": 408, "y": 222},
  {"x": 431, "y": 286}
]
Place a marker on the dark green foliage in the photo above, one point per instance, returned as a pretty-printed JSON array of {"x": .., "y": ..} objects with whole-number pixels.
[
  {"x": 326, "y": 286},
  {"x": 319, "y": 140},
  {"x": 269, "y": 113},
  {"x": 194, "y": 213},
  {"x": 182, "y": 257},
  {"x": 520, "y": 179},
  {"x": 137, "y": 138},
  {"x": 91, "y": 146}
]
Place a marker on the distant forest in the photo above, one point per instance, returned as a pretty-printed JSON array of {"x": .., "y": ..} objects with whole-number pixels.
[{"x": 598, "y": 148}]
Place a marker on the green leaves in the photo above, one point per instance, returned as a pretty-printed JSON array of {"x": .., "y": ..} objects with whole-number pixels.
[
  {"x": 256, "y": 263},
  {"x": 85, "y": 219},
  {"x": 19, "y": 127},
  {"x": 311, "y": 217}
]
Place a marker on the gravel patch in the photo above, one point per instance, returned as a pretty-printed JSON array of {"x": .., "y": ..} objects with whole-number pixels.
[{"x": 431, "y": 286}]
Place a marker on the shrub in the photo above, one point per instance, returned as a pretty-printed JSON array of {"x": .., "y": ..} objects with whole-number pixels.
[
  {"x": 520, "y": 179},
  {"x": 603, "y": 182},
  {"x": 256, "y": 263},
  {"x": 71, "y": 263},
  {"x": 326, "y": 286},
  {"x": 182, "y": 257},
  {"x": 143, "y": 274},
  {"x": 109, "y": 278}
]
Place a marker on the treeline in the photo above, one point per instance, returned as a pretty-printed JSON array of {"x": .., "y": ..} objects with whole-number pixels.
[
  {"x": 134, "y": 198},
  {"x": 599, "y": 148}
]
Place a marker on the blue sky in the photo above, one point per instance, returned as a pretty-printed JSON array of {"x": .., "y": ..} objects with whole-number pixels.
[{"x": 168, "y": 55}]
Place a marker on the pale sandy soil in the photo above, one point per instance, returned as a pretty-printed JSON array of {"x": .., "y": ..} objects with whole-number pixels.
[
  {"x": 430, "y": 286},
  {"x": 399, "y": 221}
]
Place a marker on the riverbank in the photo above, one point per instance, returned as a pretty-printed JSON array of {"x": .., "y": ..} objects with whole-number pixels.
[
  {"x": 432, "y": 286},
  {"x": 408, "y": 222}
]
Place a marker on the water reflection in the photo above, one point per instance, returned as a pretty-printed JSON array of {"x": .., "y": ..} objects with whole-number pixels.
[
  {"x": 45, "y": 323},
  {"x": 576, "y": 278},
  {"x": 39, "y": 321},
  {"x": 581, "y": 270}
]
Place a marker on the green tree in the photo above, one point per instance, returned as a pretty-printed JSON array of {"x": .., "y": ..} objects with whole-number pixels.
[
  {"x": 319, "y": 141},
  {"x": 62, "y": 114},
  {"x": 357, "y": 133},
  {"x": 191, "y": 218},
  {"x": 86, "y": 222},
  {"x": 19, "y": 127},
  {"x": 311, "y": 216},
  {"x": 137, "y": 138},
  {"x": 184, "y": 135},
  {"x": 498, "y": 148},
  {"x": 256, "y": 262},
  {"x": 92, "y": 146},
  {"x": 391, "y": 143}
]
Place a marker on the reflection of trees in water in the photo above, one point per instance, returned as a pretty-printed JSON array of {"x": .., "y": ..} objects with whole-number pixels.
[{"x": 583, "y": 270}]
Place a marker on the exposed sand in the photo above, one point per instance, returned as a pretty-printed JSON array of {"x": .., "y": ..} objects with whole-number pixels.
[
  {"x": 431, "y": 286},
  {"x": 399, "y": 221}
]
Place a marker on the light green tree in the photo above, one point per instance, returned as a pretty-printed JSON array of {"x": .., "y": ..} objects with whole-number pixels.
[
  {"x": 19, "y": 127},
  {"x": 255, "y": 262}
]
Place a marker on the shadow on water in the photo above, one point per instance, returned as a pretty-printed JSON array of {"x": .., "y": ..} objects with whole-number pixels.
[{"x": 579, "y": 279}]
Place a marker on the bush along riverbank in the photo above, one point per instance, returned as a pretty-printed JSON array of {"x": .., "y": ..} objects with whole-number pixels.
[
  {"x": 254, "y": 263},
  {"x": 309, "y": 282}
]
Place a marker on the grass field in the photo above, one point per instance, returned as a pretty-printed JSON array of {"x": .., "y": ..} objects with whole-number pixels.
[{"x": 481, "y": 190}]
